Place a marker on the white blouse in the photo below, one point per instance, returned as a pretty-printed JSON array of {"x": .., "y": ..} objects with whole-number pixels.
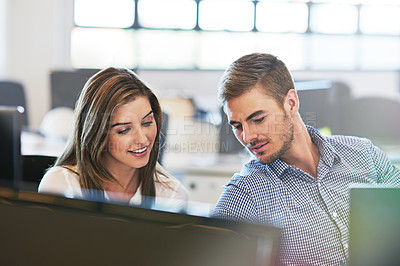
[{"x": 170, "y": 193}]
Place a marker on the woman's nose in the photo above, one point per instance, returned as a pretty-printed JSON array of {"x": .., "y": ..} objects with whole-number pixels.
[{"x": 139, "y": 136}]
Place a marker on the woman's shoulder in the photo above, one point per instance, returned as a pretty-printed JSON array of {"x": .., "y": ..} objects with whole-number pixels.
[
  {"x": 61, "y": 172},
  {"x": 163, "y": 177},
  {"x": 168, "y": 186},
  {"x": 60, "y": 180}
]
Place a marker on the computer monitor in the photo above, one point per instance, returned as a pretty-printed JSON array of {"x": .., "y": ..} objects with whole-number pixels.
[
  {"x": 67, "y": 85},
  {"x": 10, "y": 146},
  {"x": 374, "y": 225},
  {"x": 41, "y": 229}
]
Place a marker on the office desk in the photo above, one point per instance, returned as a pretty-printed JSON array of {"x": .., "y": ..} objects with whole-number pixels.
[
  {"x": 204, "y": 174},
  {"x": 40, "y": 229},
  {"x": 33, "y": 143}
]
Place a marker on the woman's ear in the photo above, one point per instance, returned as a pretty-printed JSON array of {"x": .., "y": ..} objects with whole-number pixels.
[{"x": 292, "y": 101}]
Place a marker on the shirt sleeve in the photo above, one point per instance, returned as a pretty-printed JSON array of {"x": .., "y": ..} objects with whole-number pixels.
[
  {"x": 235, "y": 203},
  {"x": 388, "y": 173},
  {"x": 60, "y": 181}
]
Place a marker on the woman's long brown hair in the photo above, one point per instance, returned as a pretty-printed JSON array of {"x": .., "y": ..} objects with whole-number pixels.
[{"x": 101, "y": 95}]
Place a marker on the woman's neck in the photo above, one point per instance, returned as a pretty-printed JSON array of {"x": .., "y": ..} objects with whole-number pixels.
[{"x": 124, "y": 186}]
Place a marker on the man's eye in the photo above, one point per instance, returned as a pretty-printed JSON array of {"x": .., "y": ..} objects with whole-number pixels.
[
  {"x": 259, "y": 120},
  {"x": 237, "y": 127}
]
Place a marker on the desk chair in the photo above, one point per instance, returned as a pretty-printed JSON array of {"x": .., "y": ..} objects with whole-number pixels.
[
  {"x": 321, "y": 101},
  {"x": 33, "y": 169},
  {"x": 13, "y": 94},
  {"x": 376, "y": 118}
]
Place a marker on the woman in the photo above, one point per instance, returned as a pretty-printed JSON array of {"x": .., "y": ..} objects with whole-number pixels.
[{"x": 114, "y": 148}]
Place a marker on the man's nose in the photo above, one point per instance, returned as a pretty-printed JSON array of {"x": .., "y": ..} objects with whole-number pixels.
[{"x": 249, "y": 135}]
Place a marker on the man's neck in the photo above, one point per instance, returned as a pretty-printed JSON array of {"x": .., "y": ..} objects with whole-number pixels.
[{"x": 303, "y": 154}]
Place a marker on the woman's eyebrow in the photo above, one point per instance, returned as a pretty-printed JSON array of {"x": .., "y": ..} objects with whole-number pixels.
[
  {"x": 148, "y": 114},
  {"x": 127, "y": 123},
  {"x": 120, "y": 124}
]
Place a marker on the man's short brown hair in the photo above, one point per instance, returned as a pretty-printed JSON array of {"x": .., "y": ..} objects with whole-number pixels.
[{"x": 251, "y": 69}]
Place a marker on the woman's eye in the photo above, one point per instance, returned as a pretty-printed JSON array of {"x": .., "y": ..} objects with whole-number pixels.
[
  {"x": 123, "y": 131},
  {"x": 148, "y": 123}
]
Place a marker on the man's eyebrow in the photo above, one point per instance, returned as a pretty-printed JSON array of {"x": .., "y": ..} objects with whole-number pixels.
[
  {"x": 127, "y": 123},
  {"x": 257, "y": 113},
  {"x": 232, "y": 122}
]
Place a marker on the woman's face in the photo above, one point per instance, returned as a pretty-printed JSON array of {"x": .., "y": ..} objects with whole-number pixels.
[{"x": 131, "y": 137}]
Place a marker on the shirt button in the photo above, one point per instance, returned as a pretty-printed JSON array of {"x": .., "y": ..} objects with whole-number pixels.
[
  {"x": 334, "y": 214},
  {"x": 346, "y": 245}
]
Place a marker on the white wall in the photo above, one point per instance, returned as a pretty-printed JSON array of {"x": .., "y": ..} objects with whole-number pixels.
[
  {"x": 203, "y": 84},
  {"x": 362, "y": 83},
  {"x": 35, "y": 39},
  {"x": 3, "y": 34}
]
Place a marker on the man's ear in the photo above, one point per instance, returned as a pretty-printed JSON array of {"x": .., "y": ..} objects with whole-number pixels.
[{"x": 292, "y": 101}]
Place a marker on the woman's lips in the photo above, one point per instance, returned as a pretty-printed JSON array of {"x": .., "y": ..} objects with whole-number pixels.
[{"x": 139, "y": 152}]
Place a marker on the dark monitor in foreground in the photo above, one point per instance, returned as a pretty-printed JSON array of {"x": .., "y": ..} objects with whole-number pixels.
[
  {"x": 374, "y": 226},
  {"x": 40, "y": 229},
  {"x": 10, "y": 146}
]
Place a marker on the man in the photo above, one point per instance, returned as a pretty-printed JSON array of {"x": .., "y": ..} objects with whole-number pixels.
[{"x": 298, "y": 179}]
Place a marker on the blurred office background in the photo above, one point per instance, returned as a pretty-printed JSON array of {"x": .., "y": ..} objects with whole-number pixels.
[{"x": 344, "y": 54}]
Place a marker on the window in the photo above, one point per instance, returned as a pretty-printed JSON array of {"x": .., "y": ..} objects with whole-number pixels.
[
  {"x": 334, "y": 18},
  {"x": 210, "y": 34},
  {"x": 376, "y": 19},
  {"x": 232, "y": 15},
  {"x": 165, "y": 49},
  {"x": 282, "y": 17},
  {"x": 104, "y": 13},
  {"x": 99, "y": 48},
  {"x": 179, "y": 14}
]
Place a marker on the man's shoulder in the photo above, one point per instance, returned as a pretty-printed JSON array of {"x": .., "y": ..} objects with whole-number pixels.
[
  {"x": 253, "y": 172},
  {"x": 350, "y": 146},
  {"x": 345, "y": 140}
]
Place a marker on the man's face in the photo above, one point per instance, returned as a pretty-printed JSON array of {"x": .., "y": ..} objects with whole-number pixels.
[{"x": 260, "y": 124}]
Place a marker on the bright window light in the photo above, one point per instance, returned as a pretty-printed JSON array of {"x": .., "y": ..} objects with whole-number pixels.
[
  {"x": 281, "y": 17},
  {"x": 378, "y": 19},
  {"x": 104, "y": 13},
  {"x": 380, "y": 53},
  {"x": 165, "y": 49},
  {"x": 294, "y": 55},
  {"x": 334, "y": 18},
  {"x": 218, "y": 49},
  {"x": 180, "y": 14},
  {"x": 232, "y": 15},
  {"x": 333, "y": 52},
  {"x": 380, "y": 2},
  {"x": 99, "y": 48},
  {"x": 339, "y": 1}
]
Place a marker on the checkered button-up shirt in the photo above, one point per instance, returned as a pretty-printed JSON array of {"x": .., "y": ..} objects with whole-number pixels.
[{"x": 313, "y": 213}]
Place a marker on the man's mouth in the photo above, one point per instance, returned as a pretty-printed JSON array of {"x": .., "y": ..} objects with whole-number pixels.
[{"x": 258, "y": 148}]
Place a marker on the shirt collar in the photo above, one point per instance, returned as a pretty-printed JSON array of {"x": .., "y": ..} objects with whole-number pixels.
[{"x": 327, "y": 154}]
